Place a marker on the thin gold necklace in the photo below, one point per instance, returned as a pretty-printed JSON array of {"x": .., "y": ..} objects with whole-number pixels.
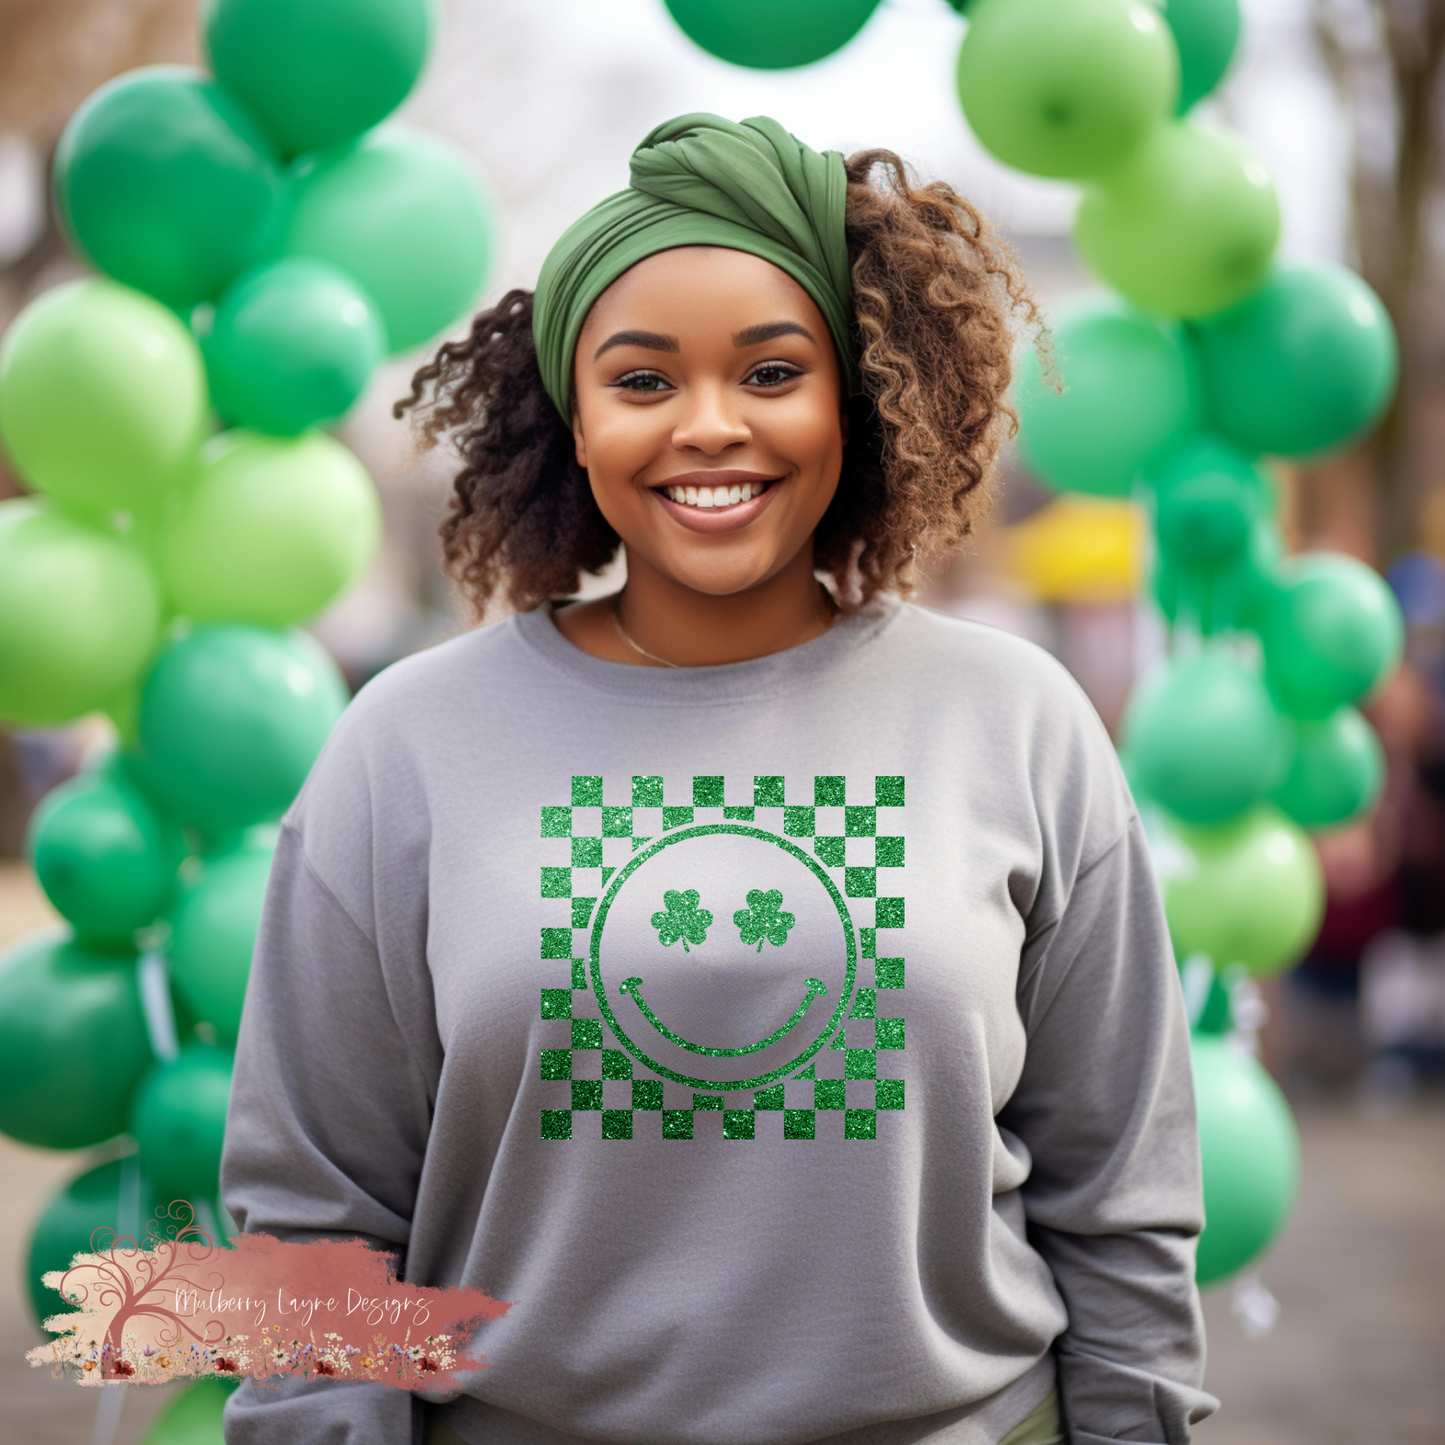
[{"x": 641, "y": 651}]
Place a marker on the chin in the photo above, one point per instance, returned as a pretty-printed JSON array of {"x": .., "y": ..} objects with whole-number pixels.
[{"x": 720, "y": 578}]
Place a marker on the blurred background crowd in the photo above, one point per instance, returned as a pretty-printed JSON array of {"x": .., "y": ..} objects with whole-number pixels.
[{"x": 1343, "y": 100}]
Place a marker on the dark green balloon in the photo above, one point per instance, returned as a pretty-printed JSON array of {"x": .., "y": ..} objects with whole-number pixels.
[
  {"x": 1249, "y": 1150},
  {"x": 292, "y": 345},
  {"x": 1065, "y": 87},
  {"x": 231, "y": 719},
  {"x": 178, "y": 1120},
  {"x": 1216, "y": 1017},
  {"x": 1336, "y": 771},
  {"x": 73, "y": 1043},
  {"x": 1205, "y": 739},
  {"x": 1130, "y": 395},
  {"x": 403, "y": 214},
  {"x": 1332, "y": 632},
  {"x": 194, "y": 1417},
  {"x": 771, "y": 34},
  {"x": 213, "y": 935},
  {"x": 1206, "y": 33},
  {"x": 1208, "y": 497},
  {"x": 316, "y": 72},
  {"x": 1307, "y": 363},
  {"x": 167, "y": 184},
  {"x": 94, "y": 1200},
  {"x": 1186, "y": 226},
  {"x": 1231, "y": 595},
  {"x": 105, "y": 857}
]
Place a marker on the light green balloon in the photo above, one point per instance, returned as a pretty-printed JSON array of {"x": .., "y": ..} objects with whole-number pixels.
[
  {"x": 1129, "y": 394},
  {"x": 1251, "y": 893},
  {"x": 102, "y": 395},
  {"x": 1066, "y": 87},
  {"x": 213, "y": 935},
  {"x": 403, "y": 213},
  {"x": 1186, "y": 226},
  {"x": 1249, "y": 1153},
  {"x": 1336, "y": 770},
  {"x": 1204, "y": 738},
  {"x": 271, "y": 530},
  {"x": 80, "y": 615}
]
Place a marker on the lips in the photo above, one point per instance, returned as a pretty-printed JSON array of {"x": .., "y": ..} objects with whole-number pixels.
[{"x": 715, "y": 501}]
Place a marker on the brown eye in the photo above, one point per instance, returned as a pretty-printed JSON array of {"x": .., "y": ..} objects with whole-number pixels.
[
  {"x": 772, "y": 373},
  {"x": 642, "y": 381}
]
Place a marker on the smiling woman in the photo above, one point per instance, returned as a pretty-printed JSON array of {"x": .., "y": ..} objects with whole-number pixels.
[{"x": 759, "y": 980}]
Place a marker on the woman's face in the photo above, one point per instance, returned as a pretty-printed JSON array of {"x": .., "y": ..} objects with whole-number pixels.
[{"x": 709, "y": 416}]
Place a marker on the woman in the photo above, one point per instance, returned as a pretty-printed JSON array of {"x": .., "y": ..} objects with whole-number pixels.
[{"x": 761, "y": 983}]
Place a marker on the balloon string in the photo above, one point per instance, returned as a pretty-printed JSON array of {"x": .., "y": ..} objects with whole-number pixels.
[
  {"x": 153, "y": 983},
  {"x": 107, "y": 1416}
]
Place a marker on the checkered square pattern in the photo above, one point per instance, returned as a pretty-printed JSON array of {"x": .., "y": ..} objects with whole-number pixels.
[{"x": 594, "y": 1088}]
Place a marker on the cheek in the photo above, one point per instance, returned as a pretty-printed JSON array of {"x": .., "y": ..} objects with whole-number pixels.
[
  {"x": 620, "y": 444},
  {"x": 809, "y": 435}
]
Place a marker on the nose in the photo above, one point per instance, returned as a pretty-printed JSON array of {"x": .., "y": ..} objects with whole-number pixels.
[{"x": 711, "y": 421}]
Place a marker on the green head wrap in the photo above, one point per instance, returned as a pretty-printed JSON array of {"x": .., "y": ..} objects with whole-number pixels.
[{"x": 700, "y": 180}]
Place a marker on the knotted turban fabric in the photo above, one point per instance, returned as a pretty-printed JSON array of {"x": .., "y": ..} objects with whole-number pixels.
[{"x": 700, "y": 180}]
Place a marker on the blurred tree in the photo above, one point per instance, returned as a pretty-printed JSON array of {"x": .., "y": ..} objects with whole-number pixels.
[{"x": 1386, "y": 58}]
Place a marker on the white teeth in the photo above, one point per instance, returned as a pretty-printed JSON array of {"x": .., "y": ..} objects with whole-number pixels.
[{"x": 714, "y": 496}]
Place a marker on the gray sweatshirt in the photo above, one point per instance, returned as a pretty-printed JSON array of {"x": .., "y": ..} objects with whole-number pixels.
[{"x": 796, "y": 1042}]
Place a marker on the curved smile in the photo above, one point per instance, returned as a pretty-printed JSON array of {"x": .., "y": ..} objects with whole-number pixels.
[{"x": 633, "y": 986}]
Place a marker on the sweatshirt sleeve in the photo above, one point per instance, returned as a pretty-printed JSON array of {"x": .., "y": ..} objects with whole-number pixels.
[
  {"x": 328, "y": 1123},
  {"x": 1105, "y": 1107}
]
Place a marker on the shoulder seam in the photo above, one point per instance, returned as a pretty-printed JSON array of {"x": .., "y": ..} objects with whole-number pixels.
[{"x": 322, "y": 884}]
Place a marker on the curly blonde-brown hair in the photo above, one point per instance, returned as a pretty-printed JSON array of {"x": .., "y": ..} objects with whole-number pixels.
[{"x": 935, "y": 293}]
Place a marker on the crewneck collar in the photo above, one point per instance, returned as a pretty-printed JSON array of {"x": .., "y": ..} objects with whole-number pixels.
[{"x": 758, "y": 677}]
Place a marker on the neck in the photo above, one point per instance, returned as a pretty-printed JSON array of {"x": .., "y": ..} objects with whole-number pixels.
[{"x": 696, "y": 629}]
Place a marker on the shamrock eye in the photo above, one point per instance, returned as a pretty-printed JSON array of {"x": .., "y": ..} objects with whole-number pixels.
[
  {"x": 763, "y": 919},
  {"x": 681, "y": 920}
]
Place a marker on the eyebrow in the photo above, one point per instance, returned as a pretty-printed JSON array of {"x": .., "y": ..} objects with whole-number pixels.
[
  {"x": 770, "y": 331},
  {"x": 652, "y": 340}
]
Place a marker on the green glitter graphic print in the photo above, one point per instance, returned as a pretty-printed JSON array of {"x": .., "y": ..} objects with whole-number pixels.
[{"x": 788, "y": 1025}]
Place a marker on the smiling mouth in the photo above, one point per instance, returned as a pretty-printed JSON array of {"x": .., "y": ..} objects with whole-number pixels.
[
  {"x": 714, "y": 497},
  {"x": 633, "y": 986}
]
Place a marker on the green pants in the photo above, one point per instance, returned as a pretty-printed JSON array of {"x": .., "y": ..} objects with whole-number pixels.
[{"x": 1042, "y": 1427}]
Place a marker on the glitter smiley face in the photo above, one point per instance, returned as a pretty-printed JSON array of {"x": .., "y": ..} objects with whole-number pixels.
[{"x": 722, "y": 956}]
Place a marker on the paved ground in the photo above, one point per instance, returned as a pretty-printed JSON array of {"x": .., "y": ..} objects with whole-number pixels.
[{"x": 1357, "y": 1357}]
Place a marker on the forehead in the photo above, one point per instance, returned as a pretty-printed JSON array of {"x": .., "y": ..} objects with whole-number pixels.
[{"x": 711, "y": 287}]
